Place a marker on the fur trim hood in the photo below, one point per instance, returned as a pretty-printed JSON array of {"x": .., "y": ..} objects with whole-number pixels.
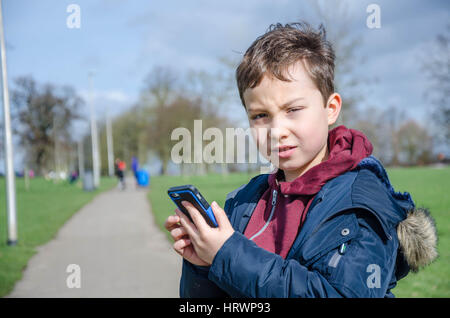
[
  {"x": 418, "y": 238},
  {"x": 416, "y": 233}
]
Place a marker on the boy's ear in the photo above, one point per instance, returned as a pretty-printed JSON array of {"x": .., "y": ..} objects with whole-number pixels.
[{"x": 334, "y": 108}]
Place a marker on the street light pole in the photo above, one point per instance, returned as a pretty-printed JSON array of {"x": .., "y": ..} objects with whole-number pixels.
[
  {"x": 81, "y": 159},
  {"x": 109, "y": 144},
  {"x": 9, "y": 163},
  {"x": 94, "y": 137}
]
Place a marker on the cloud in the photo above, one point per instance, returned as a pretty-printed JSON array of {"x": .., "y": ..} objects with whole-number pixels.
[
  {"x": 113, "y": 101},
  {"x": 114, "y": 95}
]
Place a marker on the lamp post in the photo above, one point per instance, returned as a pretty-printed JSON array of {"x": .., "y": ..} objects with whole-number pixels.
[
  {"x": 94, "y": 136},
  {"x": 109, "y": 144},
  {"x": 9, "y": 163},
  {"x": 80, "y": 159}
]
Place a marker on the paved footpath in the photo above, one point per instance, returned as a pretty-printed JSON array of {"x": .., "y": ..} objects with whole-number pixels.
[{"x": 119, "y": 250}]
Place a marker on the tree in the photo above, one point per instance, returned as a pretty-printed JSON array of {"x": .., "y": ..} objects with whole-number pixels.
[
  {"x": 43, "y": 115},
  {"x": 160, "y": 87},
  {"x": 212, "y": 93},
  {"x": 396, "y": 139},
  {"x": 128, "y": 134},
  {"x": 159, "y": 91},
  {"x": 415, "y": 144},
  {"x": 166, "y": 104},
  {"x": 393, "y": 118},
  {"x": 375, "y": 129},
  {"x": 436, "y": 65},
  {"x": 334, "y": 15}
]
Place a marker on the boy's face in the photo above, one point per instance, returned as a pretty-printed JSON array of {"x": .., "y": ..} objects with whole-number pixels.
[{"x": 291, "y": 114}]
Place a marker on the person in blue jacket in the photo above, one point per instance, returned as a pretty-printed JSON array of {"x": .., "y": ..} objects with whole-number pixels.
[{"x": 327, "y": 222}]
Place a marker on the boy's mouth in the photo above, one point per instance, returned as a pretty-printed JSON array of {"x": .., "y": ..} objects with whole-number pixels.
[
  {"x": 283, "y": 148},
  {"x": 285, "y": 151}
]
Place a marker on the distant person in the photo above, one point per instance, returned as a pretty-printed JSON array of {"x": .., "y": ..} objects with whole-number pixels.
[
  {"x": 122, "y": 165},
  {"x": 135, "y": 167},
  {"x": 119, "y": 168},
  {"x": 73, "y": 177}
]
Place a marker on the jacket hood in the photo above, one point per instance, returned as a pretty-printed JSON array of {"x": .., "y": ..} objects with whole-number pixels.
[
  {"x": 416, "y": 233},
  {"x": 418, "y": 238}
]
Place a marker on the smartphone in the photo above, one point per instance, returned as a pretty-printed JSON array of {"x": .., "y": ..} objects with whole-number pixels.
[{"x": 191, "y": 194}]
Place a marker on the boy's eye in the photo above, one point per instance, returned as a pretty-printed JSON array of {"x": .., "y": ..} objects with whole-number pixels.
[
  {"x": 294, "y": 109},
  {"x": 261, "y": 115},
  {"x": 257, "y": 116}
]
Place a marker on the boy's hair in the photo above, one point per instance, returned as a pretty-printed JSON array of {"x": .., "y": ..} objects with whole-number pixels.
[{"x": 282, "y": 46}]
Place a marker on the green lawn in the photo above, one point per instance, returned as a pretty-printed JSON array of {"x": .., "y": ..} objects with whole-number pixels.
[
  {"x": 427, "y": 186},
  {"x": 41, "y": 211}
]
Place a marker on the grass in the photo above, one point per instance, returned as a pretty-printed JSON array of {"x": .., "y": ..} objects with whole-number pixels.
[
  {"x": 41, "y": 211},
  {"x": 427, "y": 186}
]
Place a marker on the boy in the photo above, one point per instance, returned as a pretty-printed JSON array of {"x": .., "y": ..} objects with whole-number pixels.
[{"x": 327, "y": 223}]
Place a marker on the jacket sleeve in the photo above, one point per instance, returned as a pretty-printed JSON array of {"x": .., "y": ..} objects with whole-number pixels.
[
  {"x": 194, "y": 282},
  {"x": 243, "y": 269}
]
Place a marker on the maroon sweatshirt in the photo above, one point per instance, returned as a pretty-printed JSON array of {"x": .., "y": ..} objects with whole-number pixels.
[{"x": 276, "y": 221}]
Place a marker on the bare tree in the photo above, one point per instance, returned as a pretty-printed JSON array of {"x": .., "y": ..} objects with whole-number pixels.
[
  {"x": 436, "y": 65},
  {"x": 159, "y": 91},
  {"x": 166, "y": 104},
  {"x": 335, "y": 17},
  {"x": 128, "y": 136},
  {"x": 213, "y": 93},
  {"x": 415, "y": 144},
  {"x": 43, "y": 116},
  {"x": 397, "y": 140},
  {"x": 159, "y": 87},
  {"x": 393, "y": 118}
]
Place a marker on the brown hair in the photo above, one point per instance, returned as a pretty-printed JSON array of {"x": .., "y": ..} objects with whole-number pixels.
[{"x": 282, "y": 46}]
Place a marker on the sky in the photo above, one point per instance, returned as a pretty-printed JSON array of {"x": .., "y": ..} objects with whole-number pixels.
[{"x": 121, "y": 41}]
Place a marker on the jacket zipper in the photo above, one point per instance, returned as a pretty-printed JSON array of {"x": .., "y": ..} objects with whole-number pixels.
[{"x": 274, "y": 201}]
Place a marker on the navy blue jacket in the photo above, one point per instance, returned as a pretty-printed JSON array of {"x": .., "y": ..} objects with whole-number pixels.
[{"x": 347, "y": 246}]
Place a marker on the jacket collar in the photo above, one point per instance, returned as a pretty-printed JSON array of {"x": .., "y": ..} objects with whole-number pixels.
[{"x": 399, "y": 203}]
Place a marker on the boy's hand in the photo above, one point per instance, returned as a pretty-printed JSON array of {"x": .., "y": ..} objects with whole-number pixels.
[
  {"x": 206, "y": 240},
  {"x": 182, "y": 243}
]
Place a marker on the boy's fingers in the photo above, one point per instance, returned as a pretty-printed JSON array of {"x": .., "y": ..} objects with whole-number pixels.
[
  {"x": 179, "y": 245},
  {"x": 171, "y": 222},
  {"x": 179, "y": 251},
  {"x": 176, "y": 215},
  {"x": 168, "y": 223},
  {"x": 198, "y": 219},
  {"x": 187, "y": 224},
  {"x": 178, "y": 233}
]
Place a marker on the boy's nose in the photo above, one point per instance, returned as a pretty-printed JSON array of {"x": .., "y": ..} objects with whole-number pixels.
[
  {"x": 277, "y": 133},
  {"x": 279, "y": 124}
]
